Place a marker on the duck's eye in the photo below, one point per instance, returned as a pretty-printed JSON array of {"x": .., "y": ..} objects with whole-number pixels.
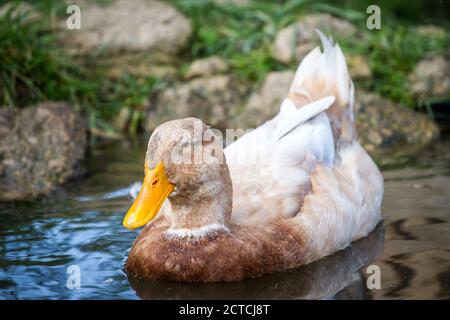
[{"x": 154, "y": 182}]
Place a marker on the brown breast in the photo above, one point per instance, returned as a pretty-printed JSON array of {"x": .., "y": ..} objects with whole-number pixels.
[{"x": 219, "y": 256}]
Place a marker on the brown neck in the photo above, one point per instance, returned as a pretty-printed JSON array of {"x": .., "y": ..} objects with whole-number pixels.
[
  {"x": 211, "y": 204},
  {"x": 211, "y": 211}
]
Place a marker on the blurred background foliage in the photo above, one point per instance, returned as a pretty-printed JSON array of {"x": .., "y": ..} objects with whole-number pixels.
[{"x": 34, "y": 68}]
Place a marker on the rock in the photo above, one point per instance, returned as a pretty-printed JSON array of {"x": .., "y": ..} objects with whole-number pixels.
[
  {"x": 265, "y": 103},
  {"x": 296, "y": 40},
  {"x": 358, "y": 67},
  {"x": 430, "y": 78},
  {"x": 431, "y": 31},
  {"x": 206, "y": 67},
  {"x": 211, "y": 99},
  {"x": 232, "y": 2},
  {"x": 122, "y": 119},
  {"x": 24, "y": 9},
  {"x": 40, "y": 147},
  {"x": 138, "y": 64},
  {"x": 138, "y": 25},
  {"x": 383, "y": 124}
]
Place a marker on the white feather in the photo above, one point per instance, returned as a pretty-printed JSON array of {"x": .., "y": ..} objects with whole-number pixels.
[
  {"x": 195, "y": 232},
  {"x": 298, "y": 116},
  {"x": 321, "y": 74},
  {"x": 272, "y": 163}
]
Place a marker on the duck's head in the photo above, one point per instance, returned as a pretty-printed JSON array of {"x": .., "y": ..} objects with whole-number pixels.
[{"x": 185, "y": 163}]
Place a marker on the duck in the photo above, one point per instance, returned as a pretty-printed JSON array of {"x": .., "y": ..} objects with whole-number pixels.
[{"x": 294, "y": 190}]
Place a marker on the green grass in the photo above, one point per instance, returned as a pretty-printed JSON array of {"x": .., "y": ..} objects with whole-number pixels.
[
  {"x": 393, "y": 53},
  {"x": 244, "y": 36},
  {"x": 34, "y": 68}
]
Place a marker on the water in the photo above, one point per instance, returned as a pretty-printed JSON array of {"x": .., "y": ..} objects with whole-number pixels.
[{"x": 81, "y": 226}]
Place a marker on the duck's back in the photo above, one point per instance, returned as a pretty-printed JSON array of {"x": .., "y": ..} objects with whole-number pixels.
[
  {"x": 271, "y": 166},
  {"x": 270, "y": 175}
]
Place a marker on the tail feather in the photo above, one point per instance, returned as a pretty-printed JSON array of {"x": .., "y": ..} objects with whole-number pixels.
[
  {"x": 299, "y": 116},
  {"x": 323, "y": 74}
]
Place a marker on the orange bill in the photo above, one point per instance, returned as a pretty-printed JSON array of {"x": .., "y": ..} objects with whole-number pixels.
[{"x": 154, "y": 191}]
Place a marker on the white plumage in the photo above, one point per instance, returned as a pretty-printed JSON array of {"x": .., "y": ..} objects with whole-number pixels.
[{"x": 310, "y": 168}]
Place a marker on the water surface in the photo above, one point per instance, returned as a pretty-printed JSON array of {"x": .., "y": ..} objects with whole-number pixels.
[{"x": 82, "y": 226}]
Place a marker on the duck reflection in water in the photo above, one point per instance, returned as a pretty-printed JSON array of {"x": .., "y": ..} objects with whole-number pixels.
[{"x": 339, "y": 276}]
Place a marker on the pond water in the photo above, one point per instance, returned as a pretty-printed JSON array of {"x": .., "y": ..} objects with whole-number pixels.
[{"x": 81, "y": 226}]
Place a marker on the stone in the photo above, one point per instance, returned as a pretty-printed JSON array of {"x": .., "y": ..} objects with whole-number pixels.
[
  {"x": 293, "y": 42},
  {"x": 130, "y": 26},
  {"x": 232, "y": 2},
  {"x": 382, "y": 124},
  {"x": 431, "y": 31},
  {"x": 358, "y": 67},
  {"x": 430, "y": 79},
  {"x": 41, "y": 147},
  {"x": 264, "y": 104},
  {"x": 138, "y": 64},
  {"x": 206, "y": 67},
  {"x": 211, "y": 99}
]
